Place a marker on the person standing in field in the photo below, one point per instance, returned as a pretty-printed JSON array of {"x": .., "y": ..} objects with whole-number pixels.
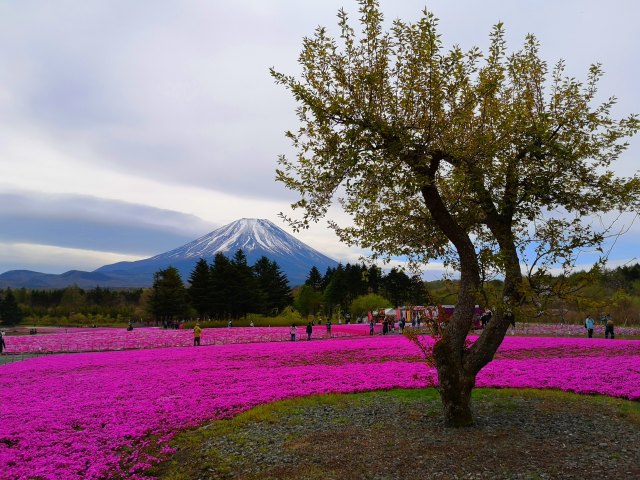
[
  {"x": 292, "y": 332},
  {"x": 2, "y": 344},
  {"x": 588, "y": 324},
  {"x": 608, "y": 327},
  {"x": 197, "y": 331},
  {"x": 371, "y": 326},
  {"x": 309, "y": 330}
]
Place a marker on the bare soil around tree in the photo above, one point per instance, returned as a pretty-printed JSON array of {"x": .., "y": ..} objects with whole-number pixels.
[{"x": 518, "y": 434}]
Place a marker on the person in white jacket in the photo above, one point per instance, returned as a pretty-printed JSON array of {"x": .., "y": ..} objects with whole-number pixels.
[{"x": 588, "y": 324}]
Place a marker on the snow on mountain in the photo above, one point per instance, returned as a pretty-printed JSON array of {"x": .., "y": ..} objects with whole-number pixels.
[
  {"x": 247, "y": 234},
  {"x": 256, "y": 237}
]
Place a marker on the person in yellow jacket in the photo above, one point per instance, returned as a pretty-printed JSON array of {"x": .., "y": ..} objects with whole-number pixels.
[{"x": 197, "y": 331}]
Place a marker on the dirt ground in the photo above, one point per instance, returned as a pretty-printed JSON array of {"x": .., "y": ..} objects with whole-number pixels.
[{"x": 399, "y": 435}]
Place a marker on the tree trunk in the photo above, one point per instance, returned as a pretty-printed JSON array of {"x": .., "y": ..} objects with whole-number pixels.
[
  {"x": 455, "y": 386},
  {"x": 455, "y": 379}
]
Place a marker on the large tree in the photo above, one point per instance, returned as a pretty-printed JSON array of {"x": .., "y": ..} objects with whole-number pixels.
[
  {"x": 468, "y": 157},
  {"x": 10, "y": 313},
  {"x": 169, "y": 298},
  {"x": 200, "y": 286},
  {"x": 273, "y": 286}
]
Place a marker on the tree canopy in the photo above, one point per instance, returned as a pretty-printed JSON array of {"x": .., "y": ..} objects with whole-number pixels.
[
  {"x": 483, "y": 160},
  {"x": 10, "y": 313}
]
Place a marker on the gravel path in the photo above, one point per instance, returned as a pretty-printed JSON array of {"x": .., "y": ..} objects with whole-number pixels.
[{"x": 384, "y": 437}]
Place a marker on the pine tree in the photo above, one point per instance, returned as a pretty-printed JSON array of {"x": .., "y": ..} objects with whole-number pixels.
[
  {"x": 169, "y": 295},
  {"x": 314, "y": 279},
  {"x": 273, "y": 286},
  {"x": 200, "y": 286},
  {"x": 336, "y": 291},
  {"x": 221, "y": 286},
  {"x": 397, "y": 286},
  {"x": 10, "y": 313},
  {"x": 243, "y": 286}
]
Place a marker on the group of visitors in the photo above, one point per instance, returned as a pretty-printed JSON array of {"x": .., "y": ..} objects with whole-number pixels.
[
  {"x": 308, "y": 330},
  {"x": 605, "y": 320},
  {"x": 171, "y": 324}
]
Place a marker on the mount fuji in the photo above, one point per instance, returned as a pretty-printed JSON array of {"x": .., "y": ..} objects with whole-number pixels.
[{"x": 256, "y": 237}]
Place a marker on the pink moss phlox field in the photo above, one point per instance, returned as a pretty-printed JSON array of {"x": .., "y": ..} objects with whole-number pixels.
[
  {"x": 62, "y": 340},
  {"x": 76, "y": 416},
  {"x": 572, "y": 330},
  {"x": 106, "y": 339}
]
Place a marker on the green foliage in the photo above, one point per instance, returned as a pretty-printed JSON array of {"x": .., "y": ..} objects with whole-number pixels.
[
  {"x": 10, "y": 313},
  {"x": 397, "y": 287},
  {"x": 274, "y": 293},
  {"x": 307, "y": 300},
  {"x": 369, "y": 302},
  {"x": 232, "y": 289},
  {"x": 314, "y": 279},
  {"x": 290, "y": 316},
  {"x": 200, "y": 286},
  {"x": 470, "y": 157},
  {"x": 169, "y": 297}
]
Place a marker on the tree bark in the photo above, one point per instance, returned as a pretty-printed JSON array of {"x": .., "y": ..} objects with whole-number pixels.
[
  {"x": 455, "y": 386},
  {"x": 455, "y": 379}
]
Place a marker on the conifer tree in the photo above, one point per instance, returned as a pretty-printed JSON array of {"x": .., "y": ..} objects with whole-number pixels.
[
  {"x": 169, "y": 296},
  {"x": 10, "y": 313},
  {"x": 200, "y": 286},
  {"x": 273, "y": 286}
]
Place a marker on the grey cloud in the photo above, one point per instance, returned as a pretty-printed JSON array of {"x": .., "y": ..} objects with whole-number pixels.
[
  {"x": 166, "y": 85},
  {"x": 94, "y": 224},
  {"x": 179, "y": 91}
]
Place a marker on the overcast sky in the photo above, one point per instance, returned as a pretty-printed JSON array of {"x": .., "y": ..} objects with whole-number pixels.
[{"x": 128, "y": 128}]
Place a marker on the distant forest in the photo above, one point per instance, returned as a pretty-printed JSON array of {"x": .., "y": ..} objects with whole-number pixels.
[{"x": 229, "y": 288}]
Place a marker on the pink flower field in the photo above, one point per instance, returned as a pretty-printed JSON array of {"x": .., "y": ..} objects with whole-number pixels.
[
  {"x": 104, "y": 339},
  {"x": 89, "y": 415},
  {"x": 61, "y": 340}
]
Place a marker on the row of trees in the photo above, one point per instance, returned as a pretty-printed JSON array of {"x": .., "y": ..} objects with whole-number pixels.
[
  {"x": 342, "y": 289},
  {"x": 340, "y": 286},
  {"x": 225, "y": 289},
  {"x": 96, "y": 305}
]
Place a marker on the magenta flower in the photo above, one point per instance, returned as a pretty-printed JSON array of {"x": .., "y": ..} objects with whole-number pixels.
[{"x": 72, "y": 416}]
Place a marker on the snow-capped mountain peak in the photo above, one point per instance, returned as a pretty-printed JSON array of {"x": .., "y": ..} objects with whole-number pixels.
[
  {"x": 255, "y": 237},
  {"x": 248, "y": 234}
]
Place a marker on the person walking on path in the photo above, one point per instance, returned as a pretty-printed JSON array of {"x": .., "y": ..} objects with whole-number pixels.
[
  {"x": 608, "y": 327},
  {"x": 197, "y": 332},
  {"x": 588, "y": 324},
  {"x": 328, "y": 327},
  {"x": 309, "y": 330},
  {"x": 371, "y": 326},
  {"x": 2, "y": 344},
  {"x": 292, "y": 332}
]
